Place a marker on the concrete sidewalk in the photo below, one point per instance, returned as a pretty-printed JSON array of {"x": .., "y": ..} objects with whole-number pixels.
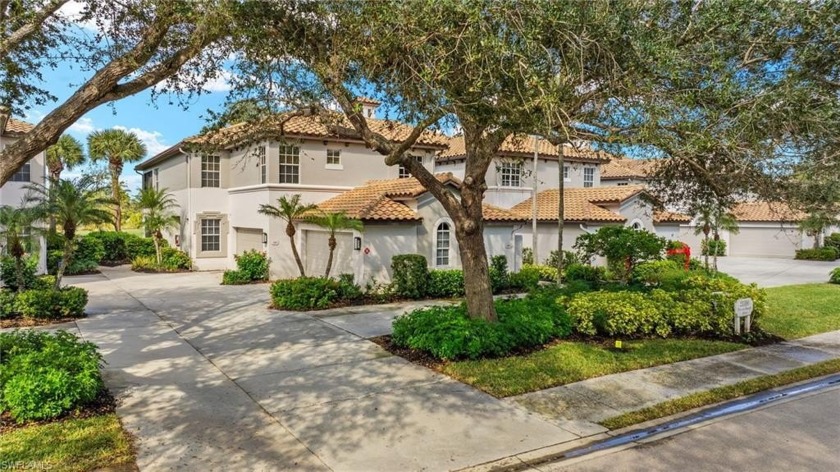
[
  {"x": 211, "y": 379},
  {"x": 590, "y": 401}
]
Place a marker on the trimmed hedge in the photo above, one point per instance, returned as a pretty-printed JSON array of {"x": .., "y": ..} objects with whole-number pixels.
[
  {"x": 448, "y": 333},
  {"x": 713, "y": 247},
  {"x": 69, "y": 302},
  {"x": 252, "y": 266},
  {"x": 172, "y": 260},
  {"x": 834, "y": 276},
  {"x": 8, "y": 272},
  {"x": 822, "y": 254},
  {"x": 446, "y": 283},
  {"x": 410, "y": 275},
  {"x": 312, "y": 293},
  {"x": 45, "y": 375},
  {"x": 703, "y": 306}
]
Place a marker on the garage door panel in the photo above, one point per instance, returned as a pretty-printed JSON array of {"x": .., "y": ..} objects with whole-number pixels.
[
  {"x": 765, "y": 242},
  {"x": 248, "y": 239},
  {"x": 318, "y": 251}
]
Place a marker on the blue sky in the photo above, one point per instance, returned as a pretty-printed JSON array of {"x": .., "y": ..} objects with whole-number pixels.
[{"x": 159, "y": 124}]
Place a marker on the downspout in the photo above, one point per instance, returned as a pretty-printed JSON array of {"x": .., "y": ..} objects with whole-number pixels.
[
  {"x": 534, "y": 203},
  {"x": 189, "y": 201}
]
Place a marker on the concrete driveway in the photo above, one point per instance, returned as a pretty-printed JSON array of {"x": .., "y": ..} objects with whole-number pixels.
[
  {"x": 209, "y": 378},
  {"x": 769, "y": 272}
]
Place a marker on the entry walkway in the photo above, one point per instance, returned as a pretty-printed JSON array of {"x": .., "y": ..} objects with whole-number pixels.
[{"x": 211, "y": 379}]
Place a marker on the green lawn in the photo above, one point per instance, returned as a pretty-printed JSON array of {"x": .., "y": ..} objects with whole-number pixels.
[
  {"x": 69, "y": 445},
  {"x": 568, "y": 361},
  {"x": 795, "y": 311}
]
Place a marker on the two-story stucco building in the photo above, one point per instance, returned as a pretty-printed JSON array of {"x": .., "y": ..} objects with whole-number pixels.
[
  {"x": 220, "y": 179},
  {"x": 13, "y": 192}
]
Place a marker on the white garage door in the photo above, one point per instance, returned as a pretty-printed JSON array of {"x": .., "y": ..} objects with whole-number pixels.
[
  {"x": 318, "y": 250},
  {"x": 765, "y": 242},
  {"x": 248, "y": 238}
]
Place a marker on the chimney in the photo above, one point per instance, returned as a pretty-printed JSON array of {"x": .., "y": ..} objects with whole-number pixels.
[{"x": 369, "y": 106}]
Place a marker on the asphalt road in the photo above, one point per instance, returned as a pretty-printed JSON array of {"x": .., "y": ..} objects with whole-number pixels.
[{"x": 798, "y": 435}]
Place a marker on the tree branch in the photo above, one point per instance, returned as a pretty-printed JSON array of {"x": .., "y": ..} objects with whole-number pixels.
[{"x": 10, "y": 42}]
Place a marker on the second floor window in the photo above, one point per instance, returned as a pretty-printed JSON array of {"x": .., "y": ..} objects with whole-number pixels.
[
  {"x": 404, "y": 173},
  {"x": 210, "y": 171},
  {"x": 24, "y": 174},
  {"x": 333, "y": 157},
  {"x": 511, "y": 173},
  {"x": 289, "y": 164},
  {"x": 588, "y": 176},
  {"x": 263, "y": 168}
]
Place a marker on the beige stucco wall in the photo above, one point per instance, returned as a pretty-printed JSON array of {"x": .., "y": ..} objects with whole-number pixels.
[
  {"x": 433, "y": 214},
  {"x": 383, "y": 242},
  {"x": 547, "y": 237}
]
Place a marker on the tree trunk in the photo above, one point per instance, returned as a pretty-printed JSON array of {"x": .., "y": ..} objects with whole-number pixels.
[
  {"x": 156, "y": 240},
  {"x": 116, "y": 169},
  {"x": 19, "y": 273},
  {"x": 715, "y": 253},
  {"x": 332, "y": 245},
  {"x": 706, "y": 255},
  {"x": 65, "y": 259},
  {"x": 561, "y": 213},
  {"x": 290, "y": 231},
  {"x": 477, "y": 287},
  {"x": 54, "y": 176}
]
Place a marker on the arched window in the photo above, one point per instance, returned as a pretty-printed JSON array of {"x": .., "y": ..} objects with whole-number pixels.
[
  {"x": 637, "y": 225},
  {"x": 442, "y": 245}
]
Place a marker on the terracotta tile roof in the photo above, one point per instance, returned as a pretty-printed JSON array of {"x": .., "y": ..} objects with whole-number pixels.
[
  {"x": 368, "y": 101},
  {"x": 670, "y": 217},
  {"x": 766, "y": 211},
  {"x": 523, "y": 146},
  {"x": 494, "y": 213},
  {"x": 335, "y": 126},
  {"x": 580, "y": 204},
  {"x": 14, "y": 126},
  {"x": 380, "y": 200},
  {"x": 625, "y": 168}
]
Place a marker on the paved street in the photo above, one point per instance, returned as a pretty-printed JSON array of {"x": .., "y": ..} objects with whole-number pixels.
[
  {"x": 770, "y": 272},
  {"x": 798, "y": 435}
]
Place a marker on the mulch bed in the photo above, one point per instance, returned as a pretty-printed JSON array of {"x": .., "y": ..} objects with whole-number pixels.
[
  {"x": 412, "y": 355},
  {"x": 103, "y": 404},
  {"x": 21, "y": 322}
]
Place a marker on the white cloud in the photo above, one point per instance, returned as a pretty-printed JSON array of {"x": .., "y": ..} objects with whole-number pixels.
[
  {"x": 74, "y": 11},
  {"x": 221, "y": 83},
  {"x": 82, "y": 126},
  {"x": 152, "y": 139},
  {"x": 132, "y": 180}
]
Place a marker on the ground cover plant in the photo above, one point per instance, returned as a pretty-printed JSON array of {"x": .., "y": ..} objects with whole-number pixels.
[{"x": 54, "y": 409}]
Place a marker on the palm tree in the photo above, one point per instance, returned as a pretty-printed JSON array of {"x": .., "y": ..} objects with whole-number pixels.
[
  {"x": 157, "y": 207},
  {"x": 704, "y": 225},
  {"x": 333, "y": 222},
  {"x": 73, "y": 203},
  {"x": 17, "y": 229},
  {"x": 722, "y": 220},
  {"x": 67, "y": 153},
  {"x": 289, "y": 210},
  {"x": 118, "y": 147}
]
